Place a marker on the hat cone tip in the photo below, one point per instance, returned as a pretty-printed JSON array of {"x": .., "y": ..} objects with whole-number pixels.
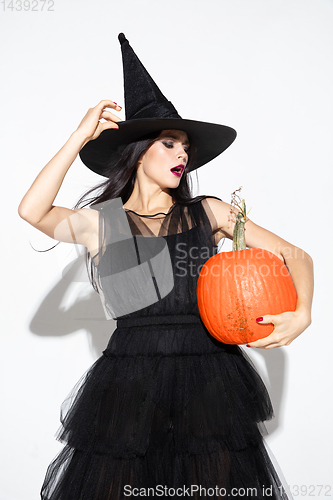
[{"x": 122, "y": 38}]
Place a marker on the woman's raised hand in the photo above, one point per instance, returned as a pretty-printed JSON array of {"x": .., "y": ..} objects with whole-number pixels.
[{"x": 91, "y": 127}]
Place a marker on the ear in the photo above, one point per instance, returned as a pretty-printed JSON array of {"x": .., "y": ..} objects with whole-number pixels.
[{"x": 140, "y": 160}]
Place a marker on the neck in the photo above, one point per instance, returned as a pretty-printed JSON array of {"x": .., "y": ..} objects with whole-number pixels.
[{"x": 149, "y": 199}]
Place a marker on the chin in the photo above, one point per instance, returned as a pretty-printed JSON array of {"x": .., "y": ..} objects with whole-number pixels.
[
  {"x": 170, "y": 184},
  {"x": 173, "y": 185},
  {"x": 175, "y": 182}
]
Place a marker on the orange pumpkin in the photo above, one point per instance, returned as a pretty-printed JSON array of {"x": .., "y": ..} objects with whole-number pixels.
[{"x": 234, "y": 288}]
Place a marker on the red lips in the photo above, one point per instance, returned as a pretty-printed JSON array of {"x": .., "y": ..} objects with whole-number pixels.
[{"x": 178, "y": 170}]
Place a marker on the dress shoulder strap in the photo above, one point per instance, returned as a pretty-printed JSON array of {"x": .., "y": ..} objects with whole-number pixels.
[{"x": 203, "y": 215}]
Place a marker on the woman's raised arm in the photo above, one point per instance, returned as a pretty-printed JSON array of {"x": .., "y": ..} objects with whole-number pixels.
[{"x": 37, "y": 206}]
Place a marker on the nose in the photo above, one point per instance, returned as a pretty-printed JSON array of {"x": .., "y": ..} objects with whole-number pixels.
[{"x": 182, "y": 154}]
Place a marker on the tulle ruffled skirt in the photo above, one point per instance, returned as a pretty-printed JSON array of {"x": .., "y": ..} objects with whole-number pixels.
[{"x": 166, "y": 411}]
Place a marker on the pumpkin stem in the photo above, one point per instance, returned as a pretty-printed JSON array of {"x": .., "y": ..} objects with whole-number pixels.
[{"x": 239, "y": 230}]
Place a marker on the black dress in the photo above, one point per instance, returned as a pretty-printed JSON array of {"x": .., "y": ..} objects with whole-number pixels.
[{"x": 166, "y": 411}]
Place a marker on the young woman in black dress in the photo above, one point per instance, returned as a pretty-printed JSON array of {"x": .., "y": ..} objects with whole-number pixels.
[{"x": 166, "y": 410}]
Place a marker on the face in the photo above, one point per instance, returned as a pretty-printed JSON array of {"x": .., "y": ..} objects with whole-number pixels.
[{"x": 165, "y": 161}]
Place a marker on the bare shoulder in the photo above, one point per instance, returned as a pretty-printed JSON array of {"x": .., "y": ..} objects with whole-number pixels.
[{"x": 224, "y": 214}]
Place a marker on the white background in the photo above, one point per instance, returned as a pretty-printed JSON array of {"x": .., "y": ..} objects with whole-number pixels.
[{"x": 263, "y": 67}]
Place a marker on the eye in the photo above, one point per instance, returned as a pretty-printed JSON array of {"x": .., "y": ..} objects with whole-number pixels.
[{"x": 168, "y": 144}]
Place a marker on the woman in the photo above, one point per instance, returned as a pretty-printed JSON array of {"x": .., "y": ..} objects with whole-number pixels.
[{"x": 167, "y": 410}]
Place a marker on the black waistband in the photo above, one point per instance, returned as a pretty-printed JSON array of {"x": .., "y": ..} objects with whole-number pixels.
[{"x": 158, "y": 320}]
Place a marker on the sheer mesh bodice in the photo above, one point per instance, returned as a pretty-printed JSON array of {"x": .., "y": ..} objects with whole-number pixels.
[{"x": 188, "y": 233}]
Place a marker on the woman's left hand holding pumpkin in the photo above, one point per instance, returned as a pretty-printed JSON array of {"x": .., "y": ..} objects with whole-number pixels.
[{"x": 287, "y": 327}]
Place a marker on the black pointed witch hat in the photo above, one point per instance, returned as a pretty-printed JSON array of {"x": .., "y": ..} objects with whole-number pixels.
[{"x": 147, "y": 111}]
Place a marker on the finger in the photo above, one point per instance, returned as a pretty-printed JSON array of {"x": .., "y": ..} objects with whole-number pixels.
[
  {"x": 264, "y": 320},
  {"x": 264, "y": 342},
  {"x": 264, "y": 346},
  {"x": 272, "y": 340},
  {"x": 280, "y": 342},
  {"x": 110, "y": 116},
  {"x": 107, "y": 103},
  {"x": 108, "y": 125}
]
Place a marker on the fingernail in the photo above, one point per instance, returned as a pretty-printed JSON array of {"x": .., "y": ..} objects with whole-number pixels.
[
  {"x": 247, "y": 345},
  {"x": 259, "y": 319},
  {"x": 115, "y": 103}
]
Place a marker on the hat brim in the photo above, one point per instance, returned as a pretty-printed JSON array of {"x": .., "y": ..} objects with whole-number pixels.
[{"x": 210, "y": 140}]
